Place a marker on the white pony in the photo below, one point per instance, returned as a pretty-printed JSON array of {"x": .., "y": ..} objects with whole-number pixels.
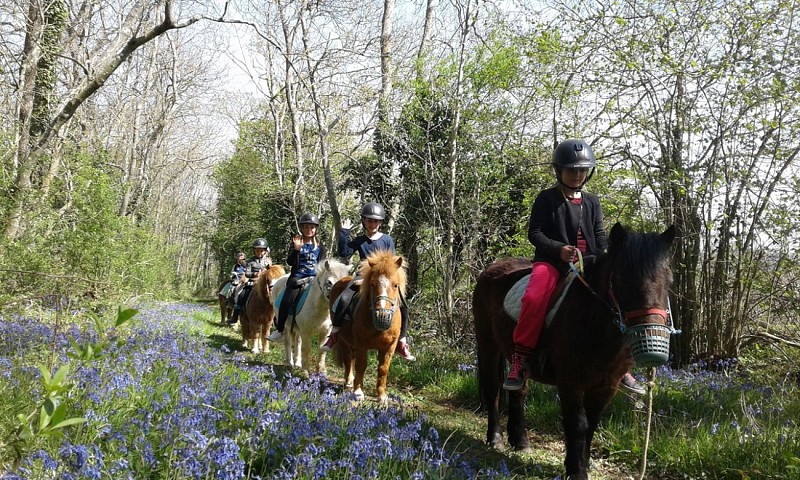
[{"x": 313, "y": 319}]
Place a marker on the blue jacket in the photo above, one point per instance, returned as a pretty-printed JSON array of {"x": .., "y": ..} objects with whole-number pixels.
[
  {"x": 304, "y": 261},
  {"x": 362, "y": 244}
]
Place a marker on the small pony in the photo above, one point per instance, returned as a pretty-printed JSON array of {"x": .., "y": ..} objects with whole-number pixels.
[
  {"x": 258, "y": 314},
  {"x": 312, "y": 319},
  {"x": 376, "y": 324},
  {"x": 225, "y": 302},
  {"x": 583, "y": 352}
]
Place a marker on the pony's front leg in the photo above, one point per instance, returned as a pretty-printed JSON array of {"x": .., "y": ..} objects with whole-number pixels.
[
  {"x": 297, "y": 350},
  {"x": 361, "y": 368},
  {"x": 322, "y": 369},
  {"x": 576, "y": 427},
  {"x": 347, "y": 361},
  {"x": 264, "y": 335},
  {"x": 384, "y": 359},
  {"x": 288, "y": 345},
  {"x": 594, "y": 403},
  {"x": 305, "y": 353}
]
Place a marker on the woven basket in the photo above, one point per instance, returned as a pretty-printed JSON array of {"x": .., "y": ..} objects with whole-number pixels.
[{"x": 649, "y": 344}]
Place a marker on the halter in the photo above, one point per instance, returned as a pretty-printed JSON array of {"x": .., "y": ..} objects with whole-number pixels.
[
  {"x": 382, "y": 317},
  {"x": 321, "y": 286},
  {"x": 620, "y": 316},
  {"x": 635, "y": 314}
]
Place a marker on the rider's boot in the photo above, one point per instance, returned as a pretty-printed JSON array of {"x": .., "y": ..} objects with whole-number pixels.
[
  {"x": 331, "y": 341},
  {"x": 630, "y": 385},
  {"x": 403, "y": 350},
  {"x": 518, "y": 373}
]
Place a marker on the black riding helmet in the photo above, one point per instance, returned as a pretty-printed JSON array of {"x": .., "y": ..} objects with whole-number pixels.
[
  {"x": 373, "y": 210},
  {"x": 573, "y": 153},
  {"x": 261, "y": 243},
  {"x": 308, "y": 218}
]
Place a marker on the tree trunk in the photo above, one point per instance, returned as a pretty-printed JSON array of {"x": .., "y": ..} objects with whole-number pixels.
[{"x": 29, "y": 148}]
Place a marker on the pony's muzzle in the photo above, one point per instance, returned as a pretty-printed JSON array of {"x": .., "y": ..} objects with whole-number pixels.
[{"x": 382, "y": 318}]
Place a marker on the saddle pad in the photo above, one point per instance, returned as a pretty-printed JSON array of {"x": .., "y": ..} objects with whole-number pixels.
[
  {"x": 300, "y": 300},
  {"x": 512, "y": 303}
]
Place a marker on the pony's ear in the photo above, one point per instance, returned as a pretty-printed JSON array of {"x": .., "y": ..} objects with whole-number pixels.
[
  {"x": 618, "y": 236},
  {"x": 327, "y": 265},
  {"x": 398, "y": 260},
  {"x": 669, "y": 235}
]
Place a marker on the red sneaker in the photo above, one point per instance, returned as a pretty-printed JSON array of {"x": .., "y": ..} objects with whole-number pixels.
[
  {"x": 403, "y": 350},
  {"x": 330, "y": 343},
  {"x": 517, "y": 375},
  {"x": 630, "y": 385}
]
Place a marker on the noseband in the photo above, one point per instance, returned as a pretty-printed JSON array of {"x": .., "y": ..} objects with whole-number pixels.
[
  {"x": 382, "y": 317},
  {"x": 630, "y": 315}
]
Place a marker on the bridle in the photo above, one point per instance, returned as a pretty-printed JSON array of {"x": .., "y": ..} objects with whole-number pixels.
[{"x": 622, "y": 317}]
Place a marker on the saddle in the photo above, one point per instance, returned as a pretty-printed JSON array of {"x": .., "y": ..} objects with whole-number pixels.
[
  {"x": 300, "y": 299},
  {"x": 346, "y": 303},
  {"x": 512, "y": 304}
]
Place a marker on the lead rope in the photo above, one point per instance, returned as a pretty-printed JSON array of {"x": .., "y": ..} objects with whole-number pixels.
[{"x": 651, "y": 383}]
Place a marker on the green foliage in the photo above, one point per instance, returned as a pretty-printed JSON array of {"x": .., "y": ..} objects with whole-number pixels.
[
  {"x": 48, "y": 416},
  {"x": 90, "y": 249},
  {"x": 251, "y": 203}
]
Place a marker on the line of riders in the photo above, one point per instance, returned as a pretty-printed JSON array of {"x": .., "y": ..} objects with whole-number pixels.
[
  {"x": 305, "y": 253},
  {"x": 565, "y": 221}
]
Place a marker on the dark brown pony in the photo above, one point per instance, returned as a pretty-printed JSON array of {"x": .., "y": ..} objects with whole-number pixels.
[
  {"x": 376, "y": 325},
  {"x": 583, "y": 352},
  {"x": 225, "y": 304},
  {"x": 259, "y": 312}
]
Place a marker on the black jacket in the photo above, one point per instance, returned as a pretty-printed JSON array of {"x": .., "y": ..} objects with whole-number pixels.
[{"x": 554, "y": 223}]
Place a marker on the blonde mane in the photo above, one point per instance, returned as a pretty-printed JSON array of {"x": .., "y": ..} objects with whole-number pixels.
[
  {"x": 383, "y": 262},
  {"x": 273, "y": 273}
]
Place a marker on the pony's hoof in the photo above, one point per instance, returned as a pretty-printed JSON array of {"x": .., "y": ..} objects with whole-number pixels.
[
  {"x": 383, "y": 400},
  {"x": 359, "y": 394},
  {"x": 497, "y": 443}
]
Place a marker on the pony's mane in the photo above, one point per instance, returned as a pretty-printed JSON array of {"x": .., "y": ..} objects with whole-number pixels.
[
  {"x": 273, "y": 273},
  {"x": 335, "y": 266},
  {"x": 641, "y": 255},
  {"x": 384, "y": 265}
]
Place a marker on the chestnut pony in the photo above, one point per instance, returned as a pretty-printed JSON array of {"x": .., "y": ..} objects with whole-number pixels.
[
  {"x": 583, "y": 351},
  {"x": 259, "y": 312},
  {"x": 376, "y": 325}
]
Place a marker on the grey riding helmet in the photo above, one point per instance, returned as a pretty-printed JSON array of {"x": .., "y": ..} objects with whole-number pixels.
[
  {"x": 308, "y": 219},
  {"x": 574, "y": 153},
  {"x": 373, "y": 210}
]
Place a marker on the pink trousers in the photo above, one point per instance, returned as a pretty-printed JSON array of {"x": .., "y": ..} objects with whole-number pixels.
[{"x": 535, "y": 300}]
